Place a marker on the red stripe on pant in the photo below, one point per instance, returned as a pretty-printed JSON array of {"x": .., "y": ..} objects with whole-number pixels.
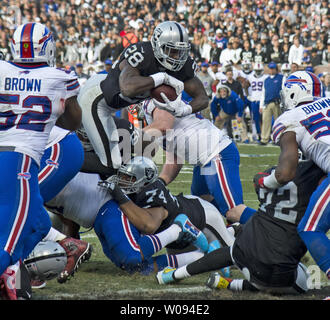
[
  {"x": 224, "y": 185},
  {"x": 22, "y": 209},
  {"x": 49, "y": 168},
  {"x": 318, "y": 210},
  {"x": 128, "y": 233}
]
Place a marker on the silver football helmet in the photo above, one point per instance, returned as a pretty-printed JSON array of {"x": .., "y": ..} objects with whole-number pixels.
[
  {"x": 135, "y": 174},
  {"x": 47, "y": 260},
  {"x": 171, "y": 45}
]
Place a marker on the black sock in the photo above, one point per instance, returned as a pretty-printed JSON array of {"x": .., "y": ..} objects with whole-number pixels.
[
  {"x": 215, "y": 260},
  {"x": 248, "y": 286}
]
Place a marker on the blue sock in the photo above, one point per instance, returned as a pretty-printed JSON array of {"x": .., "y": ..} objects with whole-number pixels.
[
  {"x": 247, "y": 214},
  {"x": 318, "y": 246},
  {"x": 149, "y": 245},
  {"x": 165, "y": 260}
]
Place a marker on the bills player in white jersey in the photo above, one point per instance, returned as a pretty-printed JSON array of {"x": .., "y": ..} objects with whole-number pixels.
[
  {"x": 305, "y": 126},
  {"x": 127, "y": 231},
  {"x": 256, "y": 83},
  {"x": 214, "y": 155},
  {"x": 33, "y": 96}
]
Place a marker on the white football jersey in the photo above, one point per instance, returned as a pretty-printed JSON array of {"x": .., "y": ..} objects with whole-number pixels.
[
  {"x": 193, "y": 139},
  {"x": 31, "y": 100},
  {"x": 256, "y": 86},
  {"x": 81, "y": 199},
  {"x": 310, "y": 122},
  {"x": 56, "y": 135}
]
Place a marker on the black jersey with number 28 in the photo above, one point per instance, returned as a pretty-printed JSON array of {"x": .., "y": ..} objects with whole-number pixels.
[{"x": 139, "y": 55}]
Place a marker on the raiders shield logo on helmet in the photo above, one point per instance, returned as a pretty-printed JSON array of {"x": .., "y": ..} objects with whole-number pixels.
[{"x": 150, "y": 173}]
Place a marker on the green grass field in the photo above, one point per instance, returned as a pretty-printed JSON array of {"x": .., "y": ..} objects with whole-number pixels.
[{"x": 99, "y": 279}]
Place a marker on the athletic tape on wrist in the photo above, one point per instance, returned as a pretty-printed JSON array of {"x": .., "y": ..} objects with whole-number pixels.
[
  {"x": 271, "y": 182},
  {"x": 158, "y": 78}
]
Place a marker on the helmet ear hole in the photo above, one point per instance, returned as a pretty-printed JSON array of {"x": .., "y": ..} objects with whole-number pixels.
[{"x": 292, "y": 95}]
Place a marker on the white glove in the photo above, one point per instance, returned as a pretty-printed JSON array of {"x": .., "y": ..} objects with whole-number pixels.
[
  {"x": 164, "y": 78},
  {"x": 177, "y": 108},
  {"x": 175, "y": 83}
]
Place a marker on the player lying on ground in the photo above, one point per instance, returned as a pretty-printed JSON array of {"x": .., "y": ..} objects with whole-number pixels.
[
  {"x": 133, "y": 231},
  {"x": 268, "y": 248}
]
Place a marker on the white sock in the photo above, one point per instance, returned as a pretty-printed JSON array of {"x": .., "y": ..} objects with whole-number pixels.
[
  {"x": 188, "y": 257},
  {"x": 169, "y": 235},
  {"x": 181, "y": 273},
  {"x": 54, "y": 235},
  {"x": 236, "y": 285}
]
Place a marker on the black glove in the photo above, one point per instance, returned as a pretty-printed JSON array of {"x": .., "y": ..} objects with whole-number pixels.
[{"x": 118, "y": 195}]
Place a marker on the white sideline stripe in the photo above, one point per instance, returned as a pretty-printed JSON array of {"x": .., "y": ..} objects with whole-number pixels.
[
  {"x": 257, "y": 155},
  {"x": 190, "y": 169},
  {"x": 86, "y": 236},
  {"x": 197, "y": 289},
  {"x": 165, "y": 290},
  {"x": 269, "y": 145},
  {"x": 189, "y": 181}
]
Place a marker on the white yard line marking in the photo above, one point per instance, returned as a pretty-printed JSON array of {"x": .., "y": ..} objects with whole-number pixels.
[
  {"x": 86, "y": 236},
  {"x": 123, "y": 293},
  {"x": 252, "y": 155},
  {"x": 165, "y": 290}
]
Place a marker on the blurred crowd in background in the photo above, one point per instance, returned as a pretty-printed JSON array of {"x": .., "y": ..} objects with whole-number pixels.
[
  {"x": 90, "y": 31},
  {"x": 91, "y": 34}
]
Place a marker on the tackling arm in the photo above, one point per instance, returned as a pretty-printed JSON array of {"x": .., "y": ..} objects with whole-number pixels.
[
  {"x": 146, "y": 221},
  {"x": 71, "y": 118},
  {"x": 287, "y": 164},
  {"x": 288, "y": 160},
  {"x": 170, "y": 169},
  {"x": 162, "y": 121},
  {"x": 194, "y": 87}
]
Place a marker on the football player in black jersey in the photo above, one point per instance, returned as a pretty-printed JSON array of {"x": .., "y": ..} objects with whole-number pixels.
[
  {"x": 141, "y": 67},
  {"x": 268, "y": 248},
  {"x": 131, "y": 229}
]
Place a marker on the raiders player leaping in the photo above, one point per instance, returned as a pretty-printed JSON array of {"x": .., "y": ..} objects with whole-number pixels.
[{"x": 141, "y": 67}]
